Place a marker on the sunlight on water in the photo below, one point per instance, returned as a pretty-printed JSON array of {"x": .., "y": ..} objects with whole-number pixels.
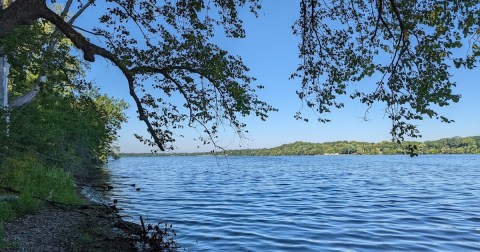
[{"x": 313, "y": 203}]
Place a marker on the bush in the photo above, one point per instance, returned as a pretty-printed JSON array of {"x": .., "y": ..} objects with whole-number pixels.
[
  {"x": 6, "y": 212},
  {"x": 2, "y": 243},
  {"x": 26, "y": 204},
  {"x": 71, "y": 131},
  {"x": 34, "y": 179}
]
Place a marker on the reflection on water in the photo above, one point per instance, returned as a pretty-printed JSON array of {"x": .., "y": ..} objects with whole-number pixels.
[{"x": 314, "y": 203}]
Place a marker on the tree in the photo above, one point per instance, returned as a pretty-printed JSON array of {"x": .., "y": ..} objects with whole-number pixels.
[
  {"x": 68, "y": 124},
  {"x": 166, "y": 45},
  {"x": 68, "y": 131},
  {"x": 405, "y": 45}
]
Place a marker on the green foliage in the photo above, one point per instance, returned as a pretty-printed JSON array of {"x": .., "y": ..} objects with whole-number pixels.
[
  {"x": 163, "y": 48},
  {"x": 37, "y": 180},
  {"x": 6, "y": 212},
  {"x": 455, "y": 145},
  {"x": 405, "y": 48},
  {"x": 72, "y": 132},
  {"x": 37, "y": 50},
  {"x": 69, "y": 124},
  {"x": 177, "y": 56},
  {"x": 2, "y": 243},
  {"x": 65, "y": 131},
  {"x": 26, "y": 204}
]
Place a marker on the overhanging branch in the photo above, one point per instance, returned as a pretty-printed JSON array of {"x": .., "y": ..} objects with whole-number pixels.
[
  {"x": 23, "y": 12},
  {"x": 20, "y": 12}
]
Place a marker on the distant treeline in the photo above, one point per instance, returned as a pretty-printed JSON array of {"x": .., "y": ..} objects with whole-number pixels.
[{"x": 454, "y": 145}]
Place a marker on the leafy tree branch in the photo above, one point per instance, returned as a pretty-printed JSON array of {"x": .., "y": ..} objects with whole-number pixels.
[{"x": 172, "y": 34}]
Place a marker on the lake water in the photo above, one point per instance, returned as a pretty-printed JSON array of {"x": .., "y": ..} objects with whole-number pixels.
[{"x": 308, "y": 203}]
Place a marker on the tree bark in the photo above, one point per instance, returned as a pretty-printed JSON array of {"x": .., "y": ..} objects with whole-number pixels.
[
  {"x": 25, "y": 99},
  {"x": 20, "y": 12}
]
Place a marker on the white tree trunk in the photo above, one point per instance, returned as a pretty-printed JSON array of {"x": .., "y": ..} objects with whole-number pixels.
[{"x": 4, "y": 70}]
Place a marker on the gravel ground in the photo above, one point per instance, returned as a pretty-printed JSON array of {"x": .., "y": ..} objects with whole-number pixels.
[{"x": 66, "y": 228}]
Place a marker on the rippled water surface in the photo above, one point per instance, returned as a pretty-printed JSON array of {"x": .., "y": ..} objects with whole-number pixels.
[{"x": 314, "y": 203}]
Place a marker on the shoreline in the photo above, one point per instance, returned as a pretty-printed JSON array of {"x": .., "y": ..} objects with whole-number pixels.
[
  {"x": 141, "y": 155},
  {"x": 452, "y": 145},
  {"x": 91, "y": 226}
]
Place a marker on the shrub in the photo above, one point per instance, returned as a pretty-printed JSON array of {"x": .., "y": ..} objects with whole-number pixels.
[
  {"x": 2, "y": 243},
  {"x": 34, "y": 179},
  {"x": 6, "y": 212},
  {"x": 26, "y": 204}
]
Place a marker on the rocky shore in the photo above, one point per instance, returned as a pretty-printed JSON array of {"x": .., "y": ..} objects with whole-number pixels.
[{"x": 57, "y": 227}]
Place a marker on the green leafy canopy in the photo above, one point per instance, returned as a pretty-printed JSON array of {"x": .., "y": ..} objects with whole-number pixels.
[
  {"x": 69, "y": 124},
  {"x": 164, "y": 50},
  {"x": 404, "y": 47}
]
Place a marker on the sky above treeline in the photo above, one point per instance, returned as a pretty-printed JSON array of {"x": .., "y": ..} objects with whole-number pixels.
[{"x": 270, "y": 51}]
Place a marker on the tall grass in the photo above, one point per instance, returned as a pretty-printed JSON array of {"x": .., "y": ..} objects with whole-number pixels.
[{"x": 36, "y": 181}]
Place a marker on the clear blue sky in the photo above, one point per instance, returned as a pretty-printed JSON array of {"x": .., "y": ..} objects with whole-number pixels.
[{"x": 270, "y": 51}]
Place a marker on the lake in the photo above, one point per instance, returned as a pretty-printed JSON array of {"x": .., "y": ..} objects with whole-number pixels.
[{"x": 307, "y": 203}]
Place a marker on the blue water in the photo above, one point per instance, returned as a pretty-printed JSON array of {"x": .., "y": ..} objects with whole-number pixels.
[{"x": 309, "y": 203}]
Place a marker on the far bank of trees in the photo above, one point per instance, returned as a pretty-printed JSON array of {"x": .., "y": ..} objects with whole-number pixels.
[{"x": 454, "y": 145}]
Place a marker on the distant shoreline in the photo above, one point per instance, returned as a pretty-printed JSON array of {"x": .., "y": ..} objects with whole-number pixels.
[
  {"x": 198, "y": 154},
  {"x": 454, "y": 145}
]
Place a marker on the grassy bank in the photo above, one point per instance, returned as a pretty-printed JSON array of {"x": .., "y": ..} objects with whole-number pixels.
[
  {"x": 41, "y": 209},
  {"x": 26, "y": 182}
]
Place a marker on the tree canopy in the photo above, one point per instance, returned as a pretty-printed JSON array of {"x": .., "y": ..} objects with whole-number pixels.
[
  {"x": 164, "y": 50},
  {"x": 454, "y": 145},
  {"x": 407, "y": 48},
  {"x": 69, "y": 124}
]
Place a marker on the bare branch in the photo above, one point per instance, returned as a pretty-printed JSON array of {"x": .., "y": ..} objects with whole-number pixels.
[
  {"x": 26, "y": 98},
  {"x": 79, "y": 12},
  {"x": 66, "y": 9},
  {"x": 379, "y": 17}
]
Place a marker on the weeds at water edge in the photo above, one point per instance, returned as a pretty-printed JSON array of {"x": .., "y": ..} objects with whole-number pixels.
[{"x": 159, "y": 237}]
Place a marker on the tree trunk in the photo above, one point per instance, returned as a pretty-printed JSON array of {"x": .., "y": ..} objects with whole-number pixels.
[{"x": 4, "y": 69}]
